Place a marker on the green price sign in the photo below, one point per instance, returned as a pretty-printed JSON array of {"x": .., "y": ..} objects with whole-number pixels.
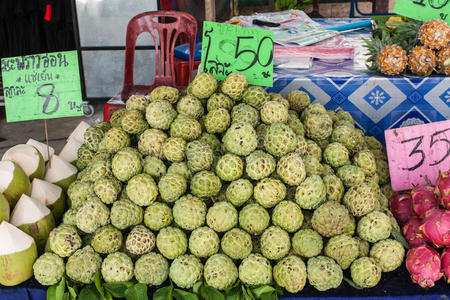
[
  {"x": 42, "y": 86},
  {"x": 230, "y": 48},
  {"x": 424, "y": 10}
]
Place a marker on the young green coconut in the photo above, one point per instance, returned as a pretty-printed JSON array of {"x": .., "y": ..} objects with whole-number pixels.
[
  {"x": 60, "y": 172},
  {"x": 4, "y": 209},
  {"x": 28, "y": 158},
  {"x": 17, "y": 255},
  {"x": 51, "y": 195},
  {"x": 42, "y": 148},
  {"x": 33, "y": 218},
  {"x": 13, "y": 182},
  {"x": 70, "y": 150}
]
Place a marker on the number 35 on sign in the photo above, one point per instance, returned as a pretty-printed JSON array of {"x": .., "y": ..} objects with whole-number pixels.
[{"x": 417, "y": 152}]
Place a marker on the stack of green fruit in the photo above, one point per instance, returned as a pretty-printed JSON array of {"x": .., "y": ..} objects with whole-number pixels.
[{"x": 226, "y": 183}]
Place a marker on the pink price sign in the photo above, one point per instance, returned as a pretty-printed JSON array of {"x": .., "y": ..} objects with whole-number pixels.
[{"x": 417, "y": 152}]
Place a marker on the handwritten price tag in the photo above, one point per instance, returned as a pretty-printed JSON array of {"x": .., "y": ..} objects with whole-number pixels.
[
  {"x": 417, "y": 151},
  {"x": 42, "y": 86},
  {"x": 424, "y": 10},
  {"x": 230, "y": 48}
]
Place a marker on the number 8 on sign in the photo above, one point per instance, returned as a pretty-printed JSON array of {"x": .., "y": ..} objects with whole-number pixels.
[
  {"x": 417, "y": 152},
  {"x": 48, "y": 97}
]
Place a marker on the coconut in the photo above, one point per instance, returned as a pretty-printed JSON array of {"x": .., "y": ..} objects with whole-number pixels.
[
  {"x": 60, "y": 172},
  {"x": 28, "y": 158},
  {"x": 50, "y": 195},
  {"x": 13, "y": 181},
  {"x": 17, "y": 255},
  {"x": 78, "y": 133},
  {"x": 4, "y": 209},
  {"x": 70, "y": 151},
  {"x": 34, "y": 218},
  {"x": 42, "y": 148}
]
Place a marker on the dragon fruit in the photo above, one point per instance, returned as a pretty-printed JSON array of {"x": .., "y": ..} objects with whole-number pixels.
[
  {"x": 436, "y": 228},
  {"x": 423, "y": 199},
  {"x": 445, "y": 260},
  {"x": 413, "y": 233},
  {"x": 401, "y": 207},
  {"x": 424, "y": 265},
  {"x": 442, "y": 189}
]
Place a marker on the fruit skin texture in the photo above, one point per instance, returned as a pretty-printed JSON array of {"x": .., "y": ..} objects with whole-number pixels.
[
  {"x": 434, "y": 34},
  {"x": 307, "y": 243},
  {"x": 83, "y": 265},
  {"x": 445, "y": 260},
  {"x": 269, "y": 192},
  {"x": 240, "y": 138},
  {"x": 125, "y": 213},
  {"x": 221, "y": 217},
  {"x": 422, "y": 60},
  {"x": 142, "y": 189},
  {"x": 343, "y": 249},
  {"x": 107, "y": 239},
  {"x": 234, "y": 85},
  {"x": 291, "y": 169},
  {"x": 443, "y": 56},
  {"x": 423, "y": 199},
  {"x": 290, "y": 273},
  {"x": 275, "y": 243},
  {"x": 152, "y": 269},
  {"x": 220, "y": 272},
  {"x": 388, "y": 253},
  {"x": 140, "y": 240},
  {"x": 279, "y": 139},
  {"x": 48, "y": 269},
  {"x": 365, "y": 272},
  {"x": 253, "y": 218},
  {"x": 442, "y": 189},
  {"x": 437, "y": 229},
  {"x": 392, "y": 60},
  {"x": 374, "y": 227},
  {"x": 330, "y": 219},
  {"x": 401, "y": 208},
  {"x": 171, "y": 242},
  {"x": 185, "y": 271},
  {"x": 324, "y": 273},
  {"x": 255, "y": 270},
  {"x": 288, "y": 215},
  {"x": 204, "y": 242},
  {"x": 117, "y": 267},
  {"x": 236, "y": 243},
  {"x": 64, "y": 240},
  {"x": 92, "y": 214},
  {"x": 189, "y": 212},
  {"x": 360, "y": 199},
  {"x": 413, "y": 233},
  {"x": 424, "y": 265},
  {"x": 311, "y": 192},
  {"x": 205, "y": 184},
  {"x": 158, "y": 215}
]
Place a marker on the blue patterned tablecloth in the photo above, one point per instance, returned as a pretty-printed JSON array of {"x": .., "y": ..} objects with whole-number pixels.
[{"x": 376, "y": 102}]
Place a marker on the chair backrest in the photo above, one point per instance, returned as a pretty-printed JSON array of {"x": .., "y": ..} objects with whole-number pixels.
[{"x": 165, "y": 27}]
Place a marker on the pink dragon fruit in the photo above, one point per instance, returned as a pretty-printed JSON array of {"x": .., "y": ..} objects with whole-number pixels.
[
  {"x": 424, "y": 265},
  {"x": 445, "y": 260},
  {"x": 436, "y": 228},
  {"x": 401, "y": 207},
  {"x": 442, "y": 189},
  {"x": 423, "y": 199},
  {"x": 412, "y": 232}
]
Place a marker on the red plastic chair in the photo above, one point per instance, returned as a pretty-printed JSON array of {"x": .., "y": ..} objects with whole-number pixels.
[{"x": 165, "y": 26}]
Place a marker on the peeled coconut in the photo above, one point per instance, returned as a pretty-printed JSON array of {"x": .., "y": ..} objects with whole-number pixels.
[
  {"x": 70, "y": 151},
  {"x": 78, "y": 133},
  {"x": 17, "y": 255},
  {"x": 28, "y": 158},
  {"x": 34, "y": 218},
  {"x": 13, "y": 181},
  {"x": 42, "y": 148},
  {"x": 50, "y": 195},
  {"x": 4, "y": 209},
  {"x": 60, "y": 172}
]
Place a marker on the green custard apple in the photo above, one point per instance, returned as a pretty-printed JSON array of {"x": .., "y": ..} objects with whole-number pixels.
[
  {"x": 307, "y": 243},
  {"x": 324, "y": 273},
  {"x": 290, "y": 273},
  {"x": 185, "y": 271},
  {"x": 220, "y": 272}
]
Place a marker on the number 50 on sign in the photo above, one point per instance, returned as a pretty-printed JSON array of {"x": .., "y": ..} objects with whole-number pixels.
[{"x": 417, "y": 152}]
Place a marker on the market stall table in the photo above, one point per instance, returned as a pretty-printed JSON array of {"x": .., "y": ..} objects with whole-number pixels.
[{"x": 376, "y": 102}]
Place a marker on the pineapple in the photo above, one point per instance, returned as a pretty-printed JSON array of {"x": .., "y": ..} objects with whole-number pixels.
[
  {"x": 443, "y": 60},
  {"x": 422, "y": 60},
  {"x": 434, "y": 34},
  {"x": 392, "y": 60}
]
